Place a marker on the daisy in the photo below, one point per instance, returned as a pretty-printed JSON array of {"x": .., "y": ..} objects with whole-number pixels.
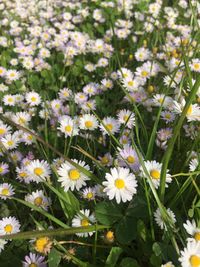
[
  {"x": 2, "y": 71},
  {"x": 9, "y": 100},
  {"x": 127, "y": 156},
  {"x": 70, "y": 177},
  {"x": 193, "y": 112},
  {"x": 109, "y": 125},
  {"x": 34, "y": 260},
  {"x": 168, "y": 264},
  {"x": 193, "y": 165},
  {"x": 120, "y": 184},
  {"x": 38, "y": 170},
  {"x": 10, "y": 141},
  {"x": 131, "y": 84},
  {"x": 65, "y": 94},
  {"x": 9, "y": 225},
  {"x": 90, "y": 89},
  {"x": 161, "y": 99},
  {"x": 85, "y": 219},
  {"x": 190, "y": 256},
  {"x": 154, "y": 171},
  {"x": 21, "y": 118},
  {"x": 126, "y": 117},
  {"x": 22, "y": 175},
  {"x": 4, "y": 129},
  {"x": 2, "y": 244},
  {"x": 89, "y": 193},
  {"x": 195, "y": 65},
  {"x": 4, "y": 168},
  {"x": 80, "y": 98},
  {"x": 6, "y": 190},
  {"x": 88, "y": 122},
  {"x": 33, "y": 98},
  {"x": 106, "y": 159},
  {"x": 68, "y": 126},
  {"x": 43, "y": 245},
  {"x": 38, "y": 199},
  {"x": 159, "y": 220},
  {"x": 192, "y": 230},
  {"x": 12, "y": 75},
  {"x": 167, "y": 116}
]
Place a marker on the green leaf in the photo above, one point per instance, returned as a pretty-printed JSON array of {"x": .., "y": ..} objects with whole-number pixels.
[
  {"x": 107, "y": 213},
  {"x": 129, "y": 262},
  {"x": 141, "y": 230},
  {"x": 54, "y": 258},
  {"x": 157, "y": 249},
  {"x": 113, "y": 256},
  {"x": 126, "y": 230}
]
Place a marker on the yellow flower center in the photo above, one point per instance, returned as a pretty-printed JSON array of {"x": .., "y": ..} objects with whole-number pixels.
[
  {"x": 84, "y": 222},
  {"x": 160, "y": 100},
  {"x": 130, "y": 159},
  {"x": 197, "y": 236},
  {"x": 22, "y": 174},
  {"x": 125, "y": 118},
  {"x": 33, "y": 98},
  {"x": 2, "y": 131},
  {"x": 10, "y": 99},
  {"x": 1, "y": 169},
  {"x": 104, "y": 160},
  {"x": 144, "y": 73},
  {"x": 131, "y": 83},
  {"x": 68, "y": 128},
  {"x": 168, "y": 116},
  {"x": 33, "y": 265},
  {"x": 155, "y": 174},
  {"x": 88, "y": 124},
  {"x": 38, "y": 201},
  {"x": 89, "y": 195},
  {"x": 74, "y": 174},
  {"x": 38, "y": 171},
  {"x": 196, "y": 66},
  {"x": 1, "y": 71},
  {"x": 12, "y": 74},
  {"x": 10, "y": 143},
  {"x": 109, "y": 235},
  {"x": 8, "y": 228},
  {"x": 109, "y": 126},
  {"x": 119, "y": 183},
  {"x": 5, "y": 191},
  {"x": 41, "y": 243},
  {"x": 21, "y": 121},
  {"x": 195, "y": 261},
  {"x": 189, "y": 111}
]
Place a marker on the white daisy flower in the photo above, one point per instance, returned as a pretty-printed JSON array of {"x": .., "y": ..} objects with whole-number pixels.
[
  {"x": 159, "y": 219},
  {"x": 10, "y": 141},
  {"x": 154, "y": 171},
  {"x": 193, "y": 165},
  {"x": 89, "y": 193},
  {"x": 195, "y": 65},
  {"x": 21, "y": 118},
  {"x": 38, "y": 199},
  {"x": 33, "y": 98},
  {"x": 120, "y": 184},
  {"x": 83, "y": 220},
  {"x": 88, "y": 122},
  {"x": 192, "y": 230},
  {"x": 34, "y": 260},
  {"x": 12, "y": 75},
  {"x": 193, "y": 112},
  {"x": 9, "y": 100},
  {"x": 68, "y": 126},
  {"x": 38, "y": 170},
  {"x": 9, "y": 225},
  {"x": 4, "y": 129},
  {"x": 190, "y": 256},
  {"x": 2, "y": 244},
  {"x": 111, "y": 124},
  {"x": 168, "y": 264},
  {"x": 126, "y": 117},
  {"x": 70, "y": 177},
  {"x": 6, "y": 190}
]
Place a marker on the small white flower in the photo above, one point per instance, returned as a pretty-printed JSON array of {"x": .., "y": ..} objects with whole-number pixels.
[
  {"x": 38, "y": 170},
  {"x": 9, "y": 225},
  {"x": 83, "y": 220},
  {"x": 159, "y": 220},
  {"x": 120, "y": 184}
]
